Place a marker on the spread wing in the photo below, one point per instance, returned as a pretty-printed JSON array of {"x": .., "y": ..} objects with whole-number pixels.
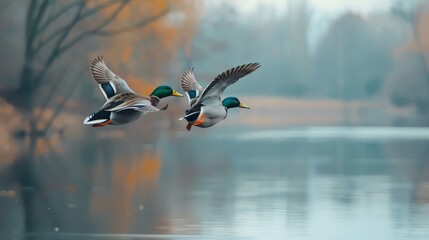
[
  {"x": 188, "y": 81},
  {"x": 191, "y": 86},
  {"x": 212, "y": 92},
  {"x": 129, "y": 101},
  {"x": 109, "y": 83}
]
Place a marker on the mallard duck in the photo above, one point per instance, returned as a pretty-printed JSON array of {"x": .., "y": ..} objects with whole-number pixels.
[
  {"x": 206, "y": 108},
  {"x": 122, "y": 104}
]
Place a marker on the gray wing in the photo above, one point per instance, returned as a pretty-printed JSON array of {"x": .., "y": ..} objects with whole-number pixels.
[
  {"x": 126, "y": 101},
  {"x": 188, "y": 81},
  {"x": 109, "y": 83},
  {"x": 191, "y": 86},
  {"x": 212, "y": 92},
  {"x": 140, "y": 107}
]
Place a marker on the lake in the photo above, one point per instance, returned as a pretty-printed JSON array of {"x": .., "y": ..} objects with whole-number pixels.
[{"x": 301, "y": 183}]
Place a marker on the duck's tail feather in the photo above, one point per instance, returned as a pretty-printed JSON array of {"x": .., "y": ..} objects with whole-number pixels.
[{"x": 98, "y": 119}]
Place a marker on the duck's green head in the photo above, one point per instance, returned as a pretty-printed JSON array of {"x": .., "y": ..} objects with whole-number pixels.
[
  {"x": 233, "y": 102},
  {"x": 165, "y": 91}
]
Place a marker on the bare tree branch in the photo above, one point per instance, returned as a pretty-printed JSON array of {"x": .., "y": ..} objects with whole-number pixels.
[
  {"x": 101, "y": 7},
  {"x": 99, "y": 29},
  {"x": 60, "y": 106},
  {"x": 83, "y": 16},
  {"x": 95, "y": 29},
  {"x": 138, "y": 25},
  {"x": 55, "y": 50},
  {"x": 41, "y": 12},
  {"x": 29, "y": 31},
  {"x": 41, "y": 16},
  {"x": 53, "y": 90},
  {"x": 79, "y": 16},
  {"x": 58, "y": 14},
  {"x": 44, "y": 41}
]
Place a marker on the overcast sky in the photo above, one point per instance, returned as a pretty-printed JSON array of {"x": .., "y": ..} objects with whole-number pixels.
[
  {"x": 322, "y": 11},
  {"x": 331, "y": 7}
]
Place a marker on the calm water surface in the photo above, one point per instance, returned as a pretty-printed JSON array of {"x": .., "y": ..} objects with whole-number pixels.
[{"x": 311, "y": 184}]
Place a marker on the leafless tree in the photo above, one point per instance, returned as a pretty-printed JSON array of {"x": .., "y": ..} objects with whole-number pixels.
[{"x": 54, "y": 27}]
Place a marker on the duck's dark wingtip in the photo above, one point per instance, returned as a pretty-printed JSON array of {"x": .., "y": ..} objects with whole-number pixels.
[{"x": 255, "y": 65}]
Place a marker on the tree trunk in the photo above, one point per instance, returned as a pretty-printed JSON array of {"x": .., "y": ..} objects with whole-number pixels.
[{"x": 25, "y": 88}]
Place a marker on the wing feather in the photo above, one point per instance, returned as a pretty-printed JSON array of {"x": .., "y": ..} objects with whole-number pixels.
[
  {"x": 223, "y": 80},
  {"x": 127, "y": 101},
  {"x": 110, "y": 83},
  {"x": 188, "y": 81}
]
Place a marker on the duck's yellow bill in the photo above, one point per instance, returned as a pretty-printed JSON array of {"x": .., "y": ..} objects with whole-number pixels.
[
  {"x": 243, "y": 106},
  {"x": 176, "y": 94}
]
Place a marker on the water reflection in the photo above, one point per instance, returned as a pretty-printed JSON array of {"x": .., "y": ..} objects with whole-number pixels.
[{"x": 198, "y": 186}]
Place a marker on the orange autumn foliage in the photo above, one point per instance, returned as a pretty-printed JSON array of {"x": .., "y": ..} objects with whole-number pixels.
[
  {"x": 141, "y": 173},
  {"x": 423, "y": 33},
  {"x": 9, "y": 149},
  {"x": 420, "y": 41},
  {"x": 144, "y": 55}
]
